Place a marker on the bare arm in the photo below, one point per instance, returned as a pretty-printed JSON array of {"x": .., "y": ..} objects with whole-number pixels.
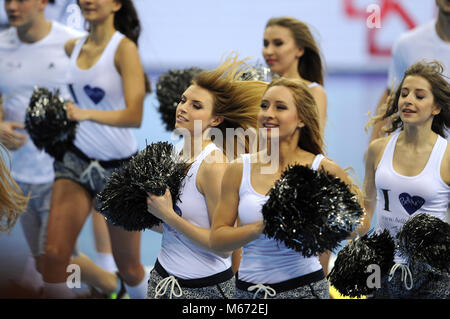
[
  {"x": 209, "y": 180},
  {"x": 321, "y": 100},
  {"x": 133, "y": 81},
  {"x": 224, "y": 235},
  {"x": 372, "y": 159},
  {"x": 334, "y": 169}
]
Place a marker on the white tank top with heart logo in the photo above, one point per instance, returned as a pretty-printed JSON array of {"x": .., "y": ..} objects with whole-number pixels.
[
  {"x": 100, "y": 87},
  {"x": 400, "y": 197}
]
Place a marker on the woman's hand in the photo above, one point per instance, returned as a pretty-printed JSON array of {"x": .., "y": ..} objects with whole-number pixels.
[
  {"x": 259, "y": 227},
  {"x": 161, "y": 206},
  {"x": 74, "y": 113},
  {"x": 10, "y": 136}
]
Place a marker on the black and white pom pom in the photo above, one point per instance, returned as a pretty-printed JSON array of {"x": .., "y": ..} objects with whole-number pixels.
[
  {"x": 310, "y": 211},
  {"x": 350, "y": 271},
  {"x": 152, "y": 170},
  {"x": 425, "y": 238},
  {"x": 47, "y": 123},
  {"x": 171, "y": 85},
  {"x": 257, "y": 72}
]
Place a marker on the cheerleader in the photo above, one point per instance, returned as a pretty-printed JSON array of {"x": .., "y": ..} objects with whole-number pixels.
[
  {"x": 291, "y": 52},
  {"x": 408, "y": 172},
  {"x": 108, "y": 87},
  {"x": 216, "y": 101},
  {"x": 289, "y": 115}
]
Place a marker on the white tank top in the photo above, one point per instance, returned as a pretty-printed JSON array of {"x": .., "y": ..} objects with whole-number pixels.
[
  {"x": 266, "y": 260},
  {"x": 179, "y": 256},
  {"x": 400, "y": 197},
  {"x": 22, "y": 67},
  {"x": 100, "y": 87}
]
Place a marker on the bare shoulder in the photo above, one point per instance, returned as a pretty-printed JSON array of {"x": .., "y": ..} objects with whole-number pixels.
[
  {"x": 332, "y": 168},
  {"x": 376, "y": 147},
  {"x": 210, "y": 172},
  {"x": 70, "y": 45},
  {"x": 127, "y": 56},
  {"x": 233, "y": 173},
  {"x": 126, "y": 46},
  {"x": 235, "y": 166},
  {"x": 319, "y": 91},
  {"x": 213, "y": 163}
]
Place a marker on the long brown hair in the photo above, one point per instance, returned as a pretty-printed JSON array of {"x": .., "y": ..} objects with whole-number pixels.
[
  {"x": 310, "y": 138},
  {"x": 237, "y": 101},
  {"x": 12, "y": 201},
  {"x": 310, "y": 63},
  {"x": 440, "y": 88}
]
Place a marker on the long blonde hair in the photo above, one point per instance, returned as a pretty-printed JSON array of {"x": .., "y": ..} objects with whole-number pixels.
[
  {"x": 237, "y": 101},
  {"x": 310, "y": 138},
  {"x": 12, "y": 201}
]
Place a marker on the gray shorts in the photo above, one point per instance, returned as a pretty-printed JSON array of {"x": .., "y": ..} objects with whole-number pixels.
[
  {"x": 35, "y": 219},
  {"x": 427, "y": 283},
  {"x": 91, "y": 174},
  {"x": 222, "y": 290},
  {"x": 316, "y": 289}
]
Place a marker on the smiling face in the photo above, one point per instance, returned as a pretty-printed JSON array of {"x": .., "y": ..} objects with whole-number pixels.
[
  {"x": 278, "y": 113},
  {"x": 416, "y": 102},
  {"x": 280, "y": 51},
  {"x": 196, "y": 104},
  {"x": 98, "y": 10}
]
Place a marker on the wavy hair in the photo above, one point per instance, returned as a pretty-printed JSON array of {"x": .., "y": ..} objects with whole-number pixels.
[
  {"x": 440, "y": 88},
  {"x": 12, "y": 201},
  {"x": 237, "y": 101},
  {"x": 310, "y": 138}
]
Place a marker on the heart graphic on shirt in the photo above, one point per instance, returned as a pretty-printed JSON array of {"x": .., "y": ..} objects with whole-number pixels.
[
  {"x": 411, "y": 203},
  {"x": 95, "y": 94}
]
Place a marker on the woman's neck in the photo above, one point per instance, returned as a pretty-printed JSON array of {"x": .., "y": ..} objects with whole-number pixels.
[
  {"x": 34, "y": 31},
  {"x": 416, "y": 137},
  {"x": 194, "y": 146},
  {"x": 101, "y": 33},
  {"x": 292, "y": 73},
  {"x": 282, "y": 152}
]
